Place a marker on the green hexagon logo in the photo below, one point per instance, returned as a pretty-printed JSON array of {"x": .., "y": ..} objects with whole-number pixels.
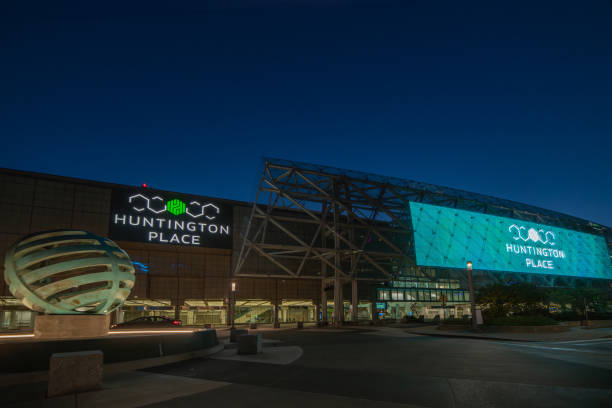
[{"x": 175, "y": 207}]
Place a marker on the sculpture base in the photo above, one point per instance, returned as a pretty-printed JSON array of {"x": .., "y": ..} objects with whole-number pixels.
[{"x": 71, "y": 326}]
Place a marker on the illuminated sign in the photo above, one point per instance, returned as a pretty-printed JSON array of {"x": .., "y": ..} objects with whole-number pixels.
[
  {"x": 150, "y": 216},
  {"x": 447, "y": 237}
]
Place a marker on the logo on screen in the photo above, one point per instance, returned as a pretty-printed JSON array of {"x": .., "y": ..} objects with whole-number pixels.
[
  {"x": 158, "y": 205},
  {"x": 531, "y": 234},
  {"x": 155, "y": 218}
]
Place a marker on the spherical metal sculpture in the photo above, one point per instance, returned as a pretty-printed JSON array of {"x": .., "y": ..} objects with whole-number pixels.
[{"x": 68, "y": 272}]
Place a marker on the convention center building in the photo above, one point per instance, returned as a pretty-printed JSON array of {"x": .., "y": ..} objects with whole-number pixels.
[{"x": 316, "y": 244}]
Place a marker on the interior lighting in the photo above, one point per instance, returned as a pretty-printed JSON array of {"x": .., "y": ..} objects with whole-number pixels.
[
  {"x": 151, "y": 331},
  {"x": 15, "y": 336}
]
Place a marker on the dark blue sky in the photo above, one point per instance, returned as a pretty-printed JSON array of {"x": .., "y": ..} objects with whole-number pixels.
[{"x": 510, "y": 100}]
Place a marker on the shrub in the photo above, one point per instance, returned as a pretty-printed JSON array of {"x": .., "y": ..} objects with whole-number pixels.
[
  {"x": 600, "y": 316},
  {"x": 515, "y": 320},
  {"x": 456, "y": 321},
  {"x": 567, "y": 316}
]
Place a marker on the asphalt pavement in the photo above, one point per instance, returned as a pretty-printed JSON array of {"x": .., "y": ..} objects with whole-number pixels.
[
  {"x": 385, "y": 366},
  {"x": 374, "y": 367}
]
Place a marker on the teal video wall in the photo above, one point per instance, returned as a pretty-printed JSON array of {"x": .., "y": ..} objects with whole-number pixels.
[{"x": 447, "y": 237}]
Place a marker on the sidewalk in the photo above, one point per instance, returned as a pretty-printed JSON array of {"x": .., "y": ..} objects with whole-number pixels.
[{"x": 574, "y": 334}]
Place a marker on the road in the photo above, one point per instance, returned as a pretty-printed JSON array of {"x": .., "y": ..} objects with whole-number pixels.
[{"x": 393, "y": 368}]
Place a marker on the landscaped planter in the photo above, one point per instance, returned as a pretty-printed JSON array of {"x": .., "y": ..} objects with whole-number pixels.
[
  {"x": 526, "y": 329},
  {"x": 594, "y": 324},
  {"x": 454, "y": 327},
  {"x": 507, "y": 329}
]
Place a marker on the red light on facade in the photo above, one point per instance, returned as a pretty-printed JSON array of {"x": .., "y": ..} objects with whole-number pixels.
[{"x": 145, "y": 185}]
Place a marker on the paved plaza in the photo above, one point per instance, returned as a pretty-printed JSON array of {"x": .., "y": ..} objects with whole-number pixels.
[{"x": 364, "y": 367}]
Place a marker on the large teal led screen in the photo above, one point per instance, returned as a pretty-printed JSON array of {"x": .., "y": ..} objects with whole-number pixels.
[{"x": 447, "y": 237}]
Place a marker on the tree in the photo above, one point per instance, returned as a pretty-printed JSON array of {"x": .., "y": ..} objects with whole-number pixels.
[{"x": 522, "y": 298}]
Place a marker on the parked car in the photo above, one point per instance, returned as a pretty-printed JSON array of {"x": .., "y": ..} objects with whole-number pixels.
[{"x": 148, "y": 322}]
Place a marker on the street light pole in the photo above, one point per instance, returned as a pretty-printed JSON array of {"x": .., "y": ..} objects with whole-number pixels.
[
  {"x": 472, "y": 300},
  {"x": 232, "y": 304}
]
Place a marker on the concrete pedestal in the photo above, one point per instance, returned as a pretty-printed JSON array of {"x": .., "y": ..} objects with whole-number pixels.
[
  {"x": 234, "y": 333},
  {"x": 70, "y": 373},
  {"x": 250, "y": 344},
  {"x": 71, "y": 326}
]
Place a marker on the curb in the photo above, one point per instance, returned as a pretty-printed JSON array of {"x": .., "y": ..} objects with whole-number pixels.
[
  {"x": 468, "y": 336},
  {"x": 269, "y": 343}
]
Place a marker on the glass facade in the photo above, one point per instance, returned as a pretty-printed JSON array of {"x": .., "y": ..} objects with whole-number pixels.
[{"x": 415, "y": 297}]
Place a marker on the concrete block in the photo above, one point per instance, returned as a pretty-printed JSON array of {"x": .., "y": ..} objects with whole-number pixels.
[
  {"x": 70, "y": 373},
  {"x": 71, "y": 326},
  {"x": 234, "y": 333},
  {"x": 250, "y": 344}
]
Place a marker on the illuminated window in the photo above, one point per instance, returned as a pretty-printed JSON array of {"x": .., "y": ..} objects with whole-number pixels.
[{"x": 383, "y": 295}]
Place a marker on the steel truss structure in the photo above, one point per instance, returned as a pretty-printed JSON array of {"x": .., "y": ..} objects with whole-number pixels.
[
  {"x": 317, "y": 222},
  {"x": 354, "y": 223},
  {"x": 308, "y": 220}
]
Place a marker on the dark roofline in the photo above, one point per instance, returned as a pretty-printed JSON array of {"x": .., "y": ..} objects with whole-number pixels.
[
  {"x": 53, "y": 177},
  {"x": 437, "y": 189}
]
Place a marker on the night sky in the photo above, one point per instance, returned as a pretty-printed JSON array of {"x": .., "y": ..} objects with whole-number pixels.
[{"x": 511, "y": 100}]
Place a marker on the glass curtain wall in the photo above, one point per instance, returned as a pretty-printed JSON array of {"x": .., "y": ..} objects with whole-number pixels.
[{"x": 422, "y": 298}]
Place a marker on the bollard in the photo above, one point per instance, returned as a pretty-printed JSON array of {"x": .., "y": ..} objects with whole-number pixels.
[
  {"x": 70, "y": 373},
  {"x": 234, "y": 333},
  {"x": 250, "y": 343}
]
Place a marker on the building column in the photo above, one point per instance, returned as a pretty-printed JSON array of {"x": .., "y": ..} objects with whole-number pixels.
[
  {"x": 226, "y": 315},
  {"x": 275, "y": 321},
  {"x": 355, "y": 300},
  {"x": 323, "y": 302},
  {"x": 317, "y": 311},
  {"x": 33, "y": 315},
  {"x": 114, "y": 316},
  {"x": 13, "y": 320},
  {"x": 338, "y": 303},
  {"x": 232, "y": 308}
]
